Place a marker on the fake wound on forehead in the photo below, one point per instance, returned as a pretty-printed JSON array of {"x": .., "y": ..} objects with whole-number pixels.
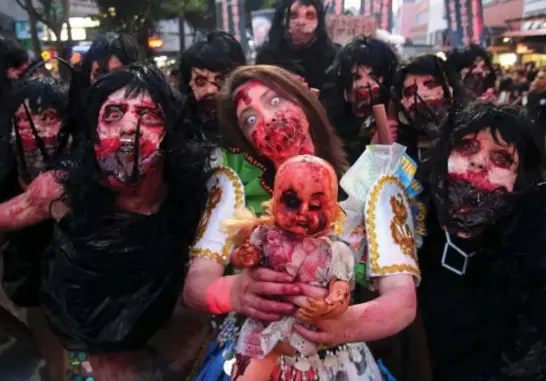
[{"x": 243, "y": 92}]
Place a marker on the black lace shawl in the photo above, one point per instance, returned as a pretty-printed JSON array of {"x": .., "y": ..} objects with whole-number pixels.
[{"x": 490, "y": 324}]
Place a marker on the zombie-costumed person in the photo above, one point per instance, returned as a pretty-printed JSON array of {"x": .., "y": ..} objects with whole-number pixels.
[
  {"x": 107, "y": 53},
  {"x": 30, "y": 141},
  {"x": 483, "y": 292},
  {"x": 424, "y": 90},
  {"x": 298, "y": 36},
  {"x": 270, "y": 114},
  {"x": 125, "y": 209},
  {"x": 13, "y": 63},
  {"x": 203, "y": 69},
  {"x": 361, "y": 78},
  {"x": 474, "y": 66}
]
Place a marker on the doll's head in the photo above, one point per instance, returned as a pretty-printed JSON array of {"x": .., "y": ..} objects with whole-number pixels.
[{"x": 305, "y": 195}]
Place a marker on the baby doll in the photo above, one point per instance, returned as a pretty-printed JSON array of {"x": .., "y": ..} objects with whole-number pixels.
[{"x": 296, "y": 238}]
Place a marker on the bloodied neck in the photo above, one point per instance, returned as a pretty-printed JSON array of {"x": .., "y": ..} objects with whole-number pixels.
[
  {"x": 482, "y": 170},
  {"x": 31, "y": 124},
  {"x": 302, "y": 24},
  {"x": 305, "y": 197},
  {"x": 365, "y": 91},
  {"x": 276, "y": 127},
  {"x": 130, "y": 131},
  {"x": 424, "y": 103}
]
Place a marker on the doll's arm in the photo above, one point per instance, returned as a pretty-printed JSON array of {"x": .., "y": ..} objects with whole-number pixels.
[
  {"x": 248, "y": 255},
  {"x": 338, "y": 298}
]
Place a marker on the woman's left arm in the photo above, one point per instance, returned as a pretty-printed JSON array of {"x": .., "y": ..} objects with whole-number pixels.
[{"x": 382, "y": 317}]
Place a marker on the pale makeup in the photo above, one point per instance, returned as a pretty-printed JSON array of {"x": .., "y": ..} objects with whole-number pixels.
[
  {"x": 479, "y": 68},
  {"x": 116, "y": 130},
  {"x": 302, "y": 23},
  {"x": 113, "y": 64},
  {"x": 485, "y": 163},
  {"x": 205, "y": 83},
  {"x": 363, "y": 79},
  {"x": 426, "y": 86},
  {"x": 46, "y": 122}
]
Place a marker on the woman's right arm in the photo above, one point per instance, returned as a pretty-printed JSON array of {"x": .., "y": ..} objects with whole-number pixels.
[{"x": 32, "y": 206}]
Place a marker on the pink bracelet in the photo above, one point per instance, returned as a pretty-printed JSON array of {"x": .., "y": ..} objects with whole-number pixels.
[{"x": 218, "y": 295}]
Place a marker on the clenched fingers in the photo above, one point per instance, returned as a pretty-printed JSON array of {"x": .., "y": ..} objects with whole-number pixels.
[
  {"x": 270, "y": 288},
  {"x": 268, "y": 275}
]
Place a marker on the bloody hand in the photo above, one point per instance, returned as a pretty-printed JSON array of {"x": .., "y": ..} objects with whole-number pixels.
[
  {"x": 333, "y": 305},
  {"x": 245, "y": 256}
]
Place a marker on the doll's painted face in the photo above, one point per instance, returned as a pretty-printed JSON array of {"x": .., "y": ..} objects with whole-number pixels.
[
  {"x": 474, "y": 77},
  {"x": 47, "y": 124},
  {"x": 277, "y": 127},
  {"x": 96, "y": 71},
  {"x": 302, "y": 24},
  {"x": 130, "y": 132},
  {"x": 424, "y": 102},
  {"x": 482, "y": 170},
  {"x": 305, "y": 195},
  {"x": 365, "y": 91}
]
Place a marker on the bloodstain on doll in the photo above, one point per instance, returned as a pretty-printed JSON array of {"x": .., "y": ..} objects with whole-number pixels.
[{"x": 296, "y": 238}]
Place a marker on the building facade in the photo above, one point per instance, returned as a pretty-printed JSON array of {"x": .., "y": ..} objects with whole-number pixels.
[{"x": 419, "y": 29}]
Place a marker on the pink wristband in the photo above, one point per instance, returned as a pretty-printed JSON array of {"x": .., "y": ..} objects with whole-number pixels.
[{"x": 218, "y": 295}]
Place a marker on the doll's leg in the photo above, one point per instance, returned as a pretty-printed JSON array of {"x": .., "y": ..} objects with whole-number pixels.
[{"x": 249, "y": 369}]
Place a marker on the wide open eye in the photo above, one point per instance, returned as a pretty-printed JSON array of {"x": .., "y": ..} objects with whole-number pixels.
[{"x": 275, "y": 101}]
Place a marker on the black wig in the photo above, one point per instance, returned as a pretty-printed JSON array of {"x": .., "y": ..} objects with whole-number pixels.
[
  {"x": 515, "y": 129},
  {"x": 220, "y": 52},
  {"x": 41, "y": 93},
  {"x": 427, "y": 64},
  {"x": 11, "y": 56},
  {"x": 508, "y": 122},
  {"x": 123, "y": 273},
  {"x": 311, "y": 62},
  {"x": 122, "y": 46},
  {"x": 460, "y": 59},
  {"x": 277, "y": 38}
]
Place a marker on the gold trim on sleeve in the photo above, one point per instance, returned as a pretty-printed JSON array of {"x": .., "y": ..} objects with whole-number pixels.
[
  {"x": 221, "y": 258},
  {"x": 372, "y": 236}
]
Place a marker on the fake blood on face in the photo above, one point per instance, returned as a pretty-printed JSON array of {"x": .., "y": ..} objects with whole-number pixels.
[
  {"x": 119, "y": 119},
  {"x": 275, "y": 126},
  {"x": 305, "y": 195}
]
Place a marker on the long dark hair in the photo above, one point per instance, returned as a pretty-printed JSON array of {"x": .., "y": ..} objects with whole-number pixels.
[
  {"x": 219, "y": 52},
  {"x": 186, "y": 157},
  {"x": 41, "y": 93},
  {"x": 327, "y": 143}
]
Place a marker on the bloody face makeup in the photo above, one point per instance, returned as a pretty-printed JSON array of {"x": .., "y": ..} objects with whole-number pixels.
[
  {"x": 424, "y": 103},
  {"x": 130, "y": 132},
  {"x": 302, "y": 23},
  {"x": 46, "y": 124},
  {"x": 277, "y": 127},
  {"x": 365, "y": 91},
  {"x": 305, "y": 195},
  {"x": 205, "y": 85},
  {"x": 96, "y": 69},
  {"x": 474, "y": 77},
  {"x": 482, "y": 170}
]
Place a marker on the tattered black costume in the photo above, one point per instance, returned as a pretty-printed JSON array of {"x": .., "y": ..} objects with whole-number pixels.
[
  {"x": 362, "y": 51},
  {"x": 113, "y": 276},
  {"x": 219, "y": 53},
  {"x": 24, "y": 253},
  {"x": 424, "y": 125},
  {"x": 312, "y": 60},
  {"x": 488, "y": 323}
]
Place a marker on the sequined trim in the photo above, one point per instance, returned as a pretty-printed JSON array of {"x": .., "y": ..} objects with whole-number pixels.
[
  {"x": 374, "y": 246},
  {"x": 212, "y": 202},
  {"x": 222, "y": 257}
]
